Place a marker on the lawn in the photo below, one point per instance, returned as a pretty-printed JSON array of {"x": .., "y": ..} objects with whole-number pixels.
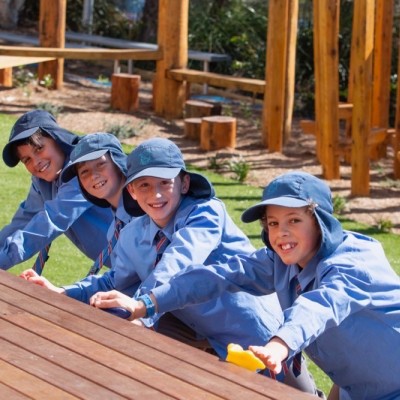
[{"x": 66, "y": 264}]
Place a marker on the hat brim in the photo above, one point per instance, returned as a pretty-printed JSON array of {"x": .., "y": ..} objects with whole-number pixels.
[
  {"x": 70, "y": 170},
  {"x": 255, "y": 212},
  {"x": 9, "y": 157},
  {"x": 199, "y": 187},
  {"x": 156, "y": 172}
]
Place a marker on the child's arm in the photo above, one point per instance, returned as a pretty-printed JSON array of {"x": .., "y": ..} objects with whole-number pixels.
[
  {"x": 272, "y": 354},
  {"x": 31, "y": 276},
  {"x": 114, "y": 298}
]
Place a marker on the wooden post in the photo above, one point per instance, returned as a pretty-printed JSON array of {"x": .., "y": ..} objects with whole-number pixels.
[
  {"x": 172, "y": 39},
  {"x": 362, "y": 95},
  {"x": 192, "y": 128},
  {"x": 290, "y": 69},
  {"x": 275, "y": 75},
  {"x": 326, "y": 14},
  {"x": 6, "y": 77},
  {"x": 52, "y": 34},
  {"x": 384, "y": 11},
  {"x": 396, "y": 144},
  {"x": 199, "y": 109},
  {"x": 217, "y": 132},
  {"x": 125, "y": 92}
]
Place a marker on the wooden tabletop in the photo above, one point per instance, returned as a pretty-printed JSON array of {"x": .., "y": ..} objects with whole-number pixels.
[{"x": 53, "y": 347}]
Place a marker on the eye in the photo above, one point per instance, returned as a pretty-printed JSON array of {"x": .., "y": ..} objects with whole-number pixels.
[
  {"x": 295, "y": 220},
  {"x": 271, "y": 224},
  {"x": 25, "y": 160}
]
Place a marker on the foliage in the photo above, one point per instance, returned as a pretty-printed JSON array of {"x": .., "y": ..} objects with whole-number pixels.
[
  {"x": 53, "y": 109},
  {"x": 339, "y": 204},
  {"x": 123, "y": 131},
  {"x": 240, "y": 167}
]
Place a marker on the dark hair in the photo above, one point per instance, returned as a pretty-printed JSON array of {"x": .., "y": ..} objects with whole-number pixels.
[{"x": 33, "y": 140}]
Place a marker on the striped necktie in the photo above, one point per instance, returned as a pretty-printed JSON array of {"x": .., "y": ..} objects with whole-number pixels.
[
  {"x": 41, "y": 259},
  {"x": 298, "y": 357},
  {"x": 105, "y": 254},
  {"x": 162, "y": 243}
]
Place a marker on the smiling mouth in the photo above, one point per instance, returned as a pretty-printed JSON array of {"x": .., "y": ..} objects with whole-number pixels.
[
  {"x": 99, "y": 185},
  {"x": 157, "y": 205},
  {"x": 287, "y": 246},
  {"x": 42, "y": 169}
]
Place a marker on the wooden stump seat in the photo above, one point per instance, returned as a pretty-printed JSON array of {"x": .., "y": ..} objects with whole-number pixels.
[
  {"x": 199, "y": 109},
  {"x": 192, "y": 128},
  {"x": 217, "y": 132},
  {"x": 125, "y": 92}
]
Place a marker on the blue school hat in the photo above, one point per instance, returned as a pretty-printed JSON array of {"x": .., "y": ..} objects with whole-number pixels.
[
  {"x": 161, "y": 158},
  {"x": 91, "y": 147},
  {"x": 30, "y": 123},
  {"x": 300, "y": 189}
]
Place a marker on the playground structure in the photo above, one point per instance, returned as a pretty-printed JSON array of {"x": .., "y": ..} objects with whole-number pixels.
[{"x": 366, "y": 111}]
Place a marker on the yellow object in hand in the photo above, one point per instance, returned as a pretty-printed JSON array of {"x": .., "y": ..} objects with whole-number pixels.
[{"x": 243, "y": 358}]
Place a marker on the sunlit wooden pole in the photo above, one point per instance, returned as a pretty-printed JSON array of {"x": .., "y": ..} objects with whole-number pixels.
[
  {"x": 52, "y": 34},
  {"x": 172, "y": 38}
]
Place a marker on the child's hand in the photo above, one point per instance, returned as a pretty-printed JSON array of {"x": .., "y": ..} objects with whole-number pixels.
[
  {"x": 272, "y": 354},
  {"x": 31, "y": 276},
  {"x": 117, "y": 299}
]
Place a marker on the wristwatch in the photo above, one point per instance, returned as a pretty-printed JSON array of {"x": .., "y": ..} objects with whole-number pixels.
[{"x": 148, "y": 303}]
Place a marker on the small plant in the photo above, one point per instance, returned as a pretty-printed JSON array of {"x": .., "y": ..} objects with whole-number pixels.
[
  {"x": 246, "y": 110},
  {"x": 215, "y": 164},
  {"x": 103, "y": 79},
  {"x": 23, "y": 77},
  {"x": 124, "y": 131},
  {"x": 385, "y": 225},
  {"x": 339, "y": 204},
  {"x": 240, "y": 168},
  {"x": 53, "y": 109},
  {"x": 47, "y": 82},
  {"x": 227, "y": 110}
]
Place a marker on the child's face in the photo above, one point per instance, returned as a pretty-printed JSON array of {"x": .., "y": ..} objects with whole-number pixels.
[
  {"x": 101, "y": 178},
  {"x": 159, "y": 198},
  {"x": 293, "y": 233},
  {"x": 45, "y": 161}
]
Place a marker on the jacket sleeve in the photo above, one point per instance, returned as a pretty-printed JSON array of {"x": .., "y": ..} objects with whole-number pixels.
[
  {"x": 37, "y": 221},
  {"x": 199, "y": 283}
]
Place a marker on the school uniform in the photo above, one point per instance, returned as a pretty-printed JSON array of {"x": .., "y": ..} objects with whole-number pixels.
[
  {"x": 346, "y": 317},
  {"x": 51, "y": 208}
]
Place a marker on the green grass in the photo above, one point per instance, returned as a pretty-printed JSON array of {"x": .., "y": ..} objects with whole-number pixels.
[{"x": 66, "y": 264}]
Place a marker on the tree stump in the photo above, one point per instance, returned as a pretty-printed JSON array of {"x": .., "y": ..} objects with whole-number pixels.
[
  {"x": 125, "y": 92},
  {"x": 6, "y": 77},
  {"x": 200, "y": 109},
  {"x": 192, "y": 128},
  {"x": 217, "y": 132}
]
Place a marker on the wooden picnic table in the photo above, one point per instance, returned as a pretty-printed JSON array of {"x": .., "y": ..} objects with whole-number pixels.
[{"x": 56, "y": 347}]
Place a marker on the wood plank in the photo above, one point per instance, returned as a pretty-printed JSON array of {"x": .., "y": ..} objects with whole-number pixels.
[
  {"x": 114, "y": 370},
  {"x": 174, "y": 358},
  {"x": 82, "y": 54},
  {"x": 218, "y": 80},
  {"x": 22, "y": 385},
  {"x": 14, "y": 61},
  {"x": 57, "y": 376}
]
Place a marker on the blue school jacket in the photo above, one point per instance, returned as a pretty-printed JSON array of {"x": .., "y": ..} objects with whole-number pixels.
[
  {"x": 200, "y": 232},
  {"x": 51, "y": 209},
  {"x": 347, "y": 319}
]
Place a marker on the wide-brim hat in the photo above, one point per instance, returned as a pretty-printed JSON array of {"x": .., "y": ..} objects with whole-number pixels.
[
  {"x": 300, "y": 189},
  {"x": 161, "y": 158},
  {"x": 30, "y": 123}
]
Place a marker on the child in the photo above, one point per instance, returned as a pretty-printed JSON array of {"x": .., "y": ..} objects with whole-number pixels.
[
  {"x": 340, "y": 296},
  {"x": 99, "y": 162},
  {"x": 51, "y": 207},
  {"x": 195, "y": 228}
]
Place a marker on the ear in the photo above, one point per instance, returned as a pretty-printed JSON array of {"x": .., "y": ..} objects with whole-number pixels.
[
  {"x": 131, "y": 191},
  {"x": 185, "y": 184}
]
